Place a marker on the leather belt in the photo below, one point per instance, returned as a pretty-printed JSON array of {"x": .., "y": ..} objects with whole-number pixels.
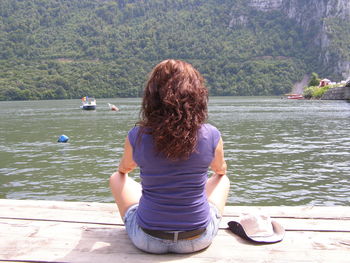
[{"x": 175, "y": 235}]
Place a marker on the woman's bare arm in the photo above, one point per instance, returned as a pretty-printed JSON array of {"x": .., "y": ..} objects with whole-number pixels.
[
  {"x": 127, "y": 163},
  {"x": 218, "y": 165}
]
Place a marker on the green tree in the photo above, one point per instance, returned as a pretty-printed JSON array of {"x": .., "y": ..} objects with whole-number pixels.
[
  {"x": 314, "y": 80},
  {"x": 53, "y": 49}
]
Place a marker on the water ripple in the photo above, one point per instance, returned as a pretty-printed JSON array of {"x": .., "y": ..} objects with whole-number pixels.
[{"x": 279, "y": 152}]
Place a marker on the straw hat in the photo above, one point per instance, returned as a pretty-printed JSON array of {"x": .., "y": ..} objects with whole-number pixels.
[{"x": 257, "y": 228}]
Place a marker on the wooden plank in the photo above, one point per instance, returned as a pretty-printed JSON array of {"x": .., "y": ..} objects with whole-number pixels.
[
  {"x": 100, "y": 219},
  {"x": 62, "y": 205},
  {"x": 103, "y": 213},
  {"x": 108, "y": 214},
  {"x": 37, "y": 213},
  {"x": 66, "y": 242},
  {"x": 296, "y": 224},
  {"x": 332, "y": 212}
]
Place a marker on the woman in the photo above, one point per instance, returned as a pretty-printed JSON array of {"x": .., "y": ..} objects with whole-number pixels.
[{"x": 177, "y": 209}]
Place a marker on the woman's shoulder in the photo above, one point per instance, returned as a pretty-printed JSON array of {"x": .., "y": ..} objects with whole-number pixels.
[
  {"x": 138, "y": 132},
  {"x": 132, "y": 134},
  {"x": 210, "y": 131},
  {"x": 134, "y": 130},
  {"x": 209, "y": 127}
]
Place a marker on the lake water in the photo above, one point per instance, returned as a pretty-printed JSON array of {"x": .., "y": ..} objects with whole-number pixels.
[{"x": 279, "y": 152}]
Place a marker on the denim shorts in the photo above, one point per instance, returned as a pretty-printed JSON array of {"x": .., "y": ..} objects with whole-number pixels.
[{"x": 156, "y": 245}]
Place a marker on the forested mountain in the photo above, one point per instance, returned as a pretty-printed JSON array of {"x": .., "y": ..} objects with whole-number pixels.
[{"x": 104, "y": 48}]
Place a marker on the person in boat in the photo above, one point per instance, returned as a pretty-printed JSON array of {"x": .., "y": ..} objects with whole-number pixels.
[
  {"x": 176, "y": 208},
  {"x": 112, "y": 107}
]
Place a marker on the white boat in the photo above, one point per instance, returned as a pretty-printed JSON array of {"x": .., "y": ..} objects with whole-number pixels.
[{"x": 88, "y": 103}]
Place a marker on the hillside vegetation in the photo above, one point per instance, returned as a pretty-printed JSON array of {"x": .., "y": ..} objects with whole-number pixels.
[{"x": 55, "y": 49}]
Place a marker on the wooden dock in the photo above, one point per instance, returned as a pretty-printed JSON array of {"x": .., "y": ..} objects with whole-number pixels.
[{"x": 54, "y": 231}]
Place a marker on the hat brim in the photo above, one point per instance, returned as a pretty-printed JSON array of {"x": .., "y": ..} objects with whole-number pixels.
[{"x": 278, "y": 233}]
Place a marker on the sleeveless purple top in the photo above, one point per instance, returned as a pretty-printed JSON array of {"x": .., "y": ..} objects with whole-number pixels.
[{"x": 173, "y": 192}]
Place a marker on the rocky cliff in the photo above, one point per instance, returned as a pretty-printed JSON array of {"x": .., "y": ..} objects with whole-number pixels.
[
  {"x": 314, "y": 17},
  {"x": 339, "y": 93}
]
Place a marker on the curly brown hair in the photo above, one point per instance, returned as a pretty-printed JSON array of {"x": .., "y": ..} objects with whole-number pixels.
[{"x": 174, "y": 107}]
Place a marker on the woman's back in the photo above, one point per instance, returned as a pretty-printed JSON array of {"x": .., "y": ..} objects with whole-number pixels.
[{"x": 174, "y": 191}]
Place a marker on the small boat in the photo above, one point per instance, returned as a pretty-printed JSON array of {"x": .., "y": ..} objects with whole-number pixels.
[
  {"x": 295, "y": 96},
  {"x": 112, "y": 107},
  {"x": 88, "y": 103}
]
